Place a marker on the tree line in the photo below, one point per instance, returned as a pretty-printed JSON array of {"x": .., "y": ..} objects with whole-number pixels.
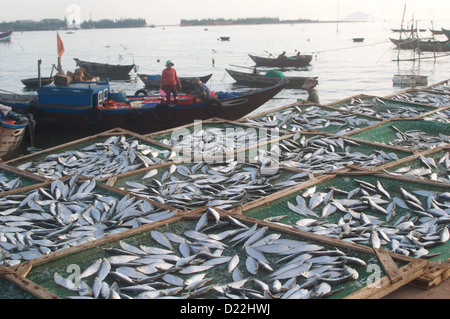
[{"x": 57, "y": 24}]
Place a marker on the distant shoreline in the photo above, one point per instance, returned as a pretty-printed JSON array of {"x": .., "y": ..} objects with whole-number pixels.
[{"x": 59, "y": 25}]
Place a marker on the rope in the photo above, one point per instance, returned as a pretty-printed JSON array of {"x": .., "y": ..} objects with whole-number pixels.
[{"x": 353, "y": 47}]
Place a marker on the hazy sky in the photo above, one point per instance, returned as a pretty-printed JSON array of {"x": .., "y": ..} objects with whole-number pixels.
[{"x": 171, "y": 11}]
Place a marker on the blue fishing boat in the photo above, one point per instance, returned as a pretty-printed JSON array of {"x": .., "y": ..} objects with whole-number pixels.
[
  {"x": 92, "y": 107},
  {"x": 6, "y": 36}
]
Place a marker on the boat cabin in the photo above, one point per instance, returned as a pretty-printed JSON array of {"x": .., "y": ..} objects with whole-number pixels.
[{"x": 92, "y": 94}]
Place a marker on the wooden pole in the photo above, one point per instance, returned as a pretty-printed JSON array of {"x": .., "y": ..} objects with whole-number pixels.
[{"x": 39, "y": 73}]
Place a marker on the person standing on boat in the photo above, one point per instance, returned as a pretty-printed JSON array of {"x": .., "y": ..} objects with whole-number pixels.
[
  {"x": 169, "y": 82},
  {"x": 310, "y": 87},
  {"x": 202, "y": 92}
]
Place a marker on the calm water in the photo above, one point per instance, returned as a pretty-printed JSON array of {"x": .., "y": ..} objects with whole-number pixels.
[{"x": 344, "y": 68}]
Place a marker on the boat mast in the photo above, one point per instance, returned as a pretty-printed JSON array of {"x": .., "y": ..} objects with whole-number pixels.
[
  {"x": 403, "y": 19},
  {"x": 337, "y": 20}
]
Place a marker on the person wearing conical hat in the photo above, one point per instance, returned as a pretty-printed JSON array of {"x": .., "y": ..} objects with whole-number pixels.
[
  {"x": 169, "y": 82},
  {"x": 310, "y": 87}
]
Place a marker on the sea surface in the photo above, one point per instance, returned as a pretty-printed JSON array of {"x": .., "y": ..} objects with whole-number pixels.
[{"x": 344, "y": 68}]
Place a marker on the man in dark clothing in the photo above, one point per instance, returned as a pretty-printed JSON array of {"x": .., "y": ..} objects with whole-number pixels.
[{"x": 202, "y": 92}]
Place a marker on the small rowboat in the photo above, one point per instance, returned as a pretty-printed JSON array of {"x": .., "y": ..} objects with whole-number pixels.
[
  {"x": 153, "y": 81},
  {"x": 6, "y": 36},
  {"x": 33, "y": 83},
  {"x": 259, "y": 80},
  {"x": 102, "y": 70},
  {"x": 289, "y": 62},
  {"x": 11, "y": 134}
]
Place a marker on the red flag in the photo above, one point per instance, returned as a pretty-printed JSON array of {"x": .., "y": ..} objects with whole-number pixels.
[{"x": 60, "y": 46}]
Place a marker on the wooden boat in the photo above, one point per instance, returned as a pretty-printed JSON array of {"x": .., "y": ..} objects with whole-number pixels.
[
  {"x": 85, "y": 107},
  {"x": 358, "y": 39},
  {"x": 437, "y": 32},
  {"x": 446, "y": 32},
  {"x": 33, "y": 83},
  {"x": 434, "y": 46},
  {"x": 406, "y": 44},
  {"x": 295, "y": 62},
  {"x": 258, "y": 80},
  {"x": 12, "y": 130},
  {"x": 404, "y": 30},
  {"x": 6, "y": 36},
  {"x": 104, "y": 71},
  {"x": 410, "y": 80},
  {"x": 153, "y": 81},
  {"x": 426, "y": 46}
]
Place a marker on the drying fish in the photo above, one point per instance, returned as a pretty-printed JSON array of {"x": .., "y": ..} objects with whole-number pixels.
[
  {"x": 64, "y": 215},
  {"x": 116, "y": 155},
  {"x": 223, "y": 186},
  {"x": 140, "y": 277},
  {"x": 370, "y": 216},
  {"x": 7, "y": 184},
  {"x": 296, "y": 119}
]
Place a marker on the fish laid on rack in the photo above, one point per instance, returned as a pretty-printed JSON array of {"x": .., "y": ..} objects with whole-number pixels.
[
  {"x": 444, "y": 88},
  {"x": 6, "y": 184},
  {"x": 321, "y": 154},
  {"x": 429, "y": 169},
  {"x": 312, "y": 118},
  {"x": 116, "y": 155},
  {"x": 64, "y": 215},
  {"x": 418, "y": 140},
  {"x": 368, "y": 216},
  {"x": 379, "y": 108},
  {"x": 223, "y": 186},
  {"x": 440, "y": 116},
  {"x": 217, "y": 141},
  {"x": 438, "y": 100},
  {"x": 253, "y": 263}
]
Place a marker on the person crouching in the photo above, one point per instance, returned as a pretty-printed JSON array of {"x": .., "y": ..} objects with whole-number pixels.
[{"x": 202, "y": 92}]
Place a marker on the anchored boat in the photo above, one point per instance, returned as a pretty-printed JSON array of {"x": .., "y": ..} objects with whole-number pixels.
[
  {"x": 6, "y": 36},
  {"x": 288, "y": 62},
  {"x": 258, "y": 80},
  {"x": 91, "y": 107},
  {"x": 12, "y": 130},
  {"x": 154, "y": 81},
  {"x": 106, "y": 71}
]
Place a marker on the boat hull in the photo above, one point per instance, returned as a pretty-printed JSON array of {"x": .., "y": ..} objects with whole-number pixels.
[
  {"x": 295, "y": 62},
  {"x": 5, "y": 36},
  {"x": 406, "y": 44},
  {"x": 11, "y": 137},
  {"x": 33, "y": 83},
  {"x": 262, "y": 81},
  {"x": 446, "y": 32},
  {"x": 104, "y": 71},
  {"x": 186, "y": 82},
  {"x": 426, "y": 46}
]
